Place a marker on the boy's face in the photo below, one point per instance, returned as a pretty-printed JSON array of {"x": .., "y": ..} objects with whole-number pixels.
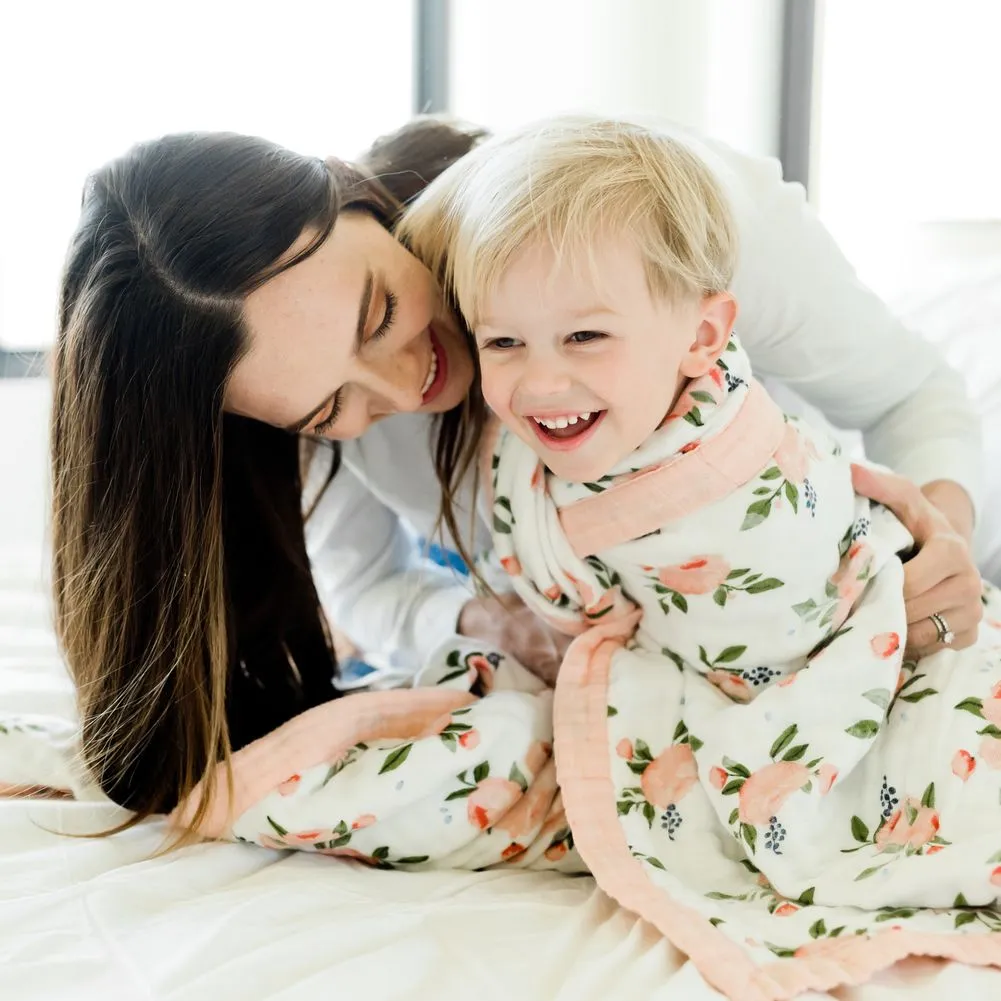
[{"x": 585, "y": 372}]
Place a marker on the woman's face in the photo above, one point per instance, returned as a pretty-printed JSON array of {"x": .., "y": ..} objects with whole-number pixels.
[{"x": 353, "y": 333}]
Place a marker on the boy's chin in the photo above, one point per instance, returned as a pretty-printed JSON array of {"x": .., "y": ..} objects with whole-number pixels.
[
  {"x": 586, "y": 464},
  {"x": 576, "y": 469}
]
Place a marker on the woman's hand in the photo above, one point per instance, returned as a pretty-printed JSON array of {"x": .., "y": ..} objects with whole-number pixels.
[
  {"x": 942, "y": 578},
  {"x": 509, "y": 624}
]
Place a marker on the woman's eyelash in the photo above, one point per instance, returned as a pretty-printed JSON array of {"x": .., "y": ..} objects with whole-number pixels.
[
  {"x": 387, "y": 317},
  {"x": 328, "y": 422},
  {"x": 387, "y": 321}
]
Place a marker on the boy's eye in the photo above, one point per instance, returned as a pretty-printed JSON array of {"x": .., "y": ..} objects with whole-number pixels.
[
  {"x": 585, "y": 336},
  {"x": 501, "y": 343}
]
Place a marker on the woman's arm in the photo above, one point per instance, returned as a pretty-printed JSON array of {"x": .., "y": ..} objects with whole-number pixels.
[
  {"x": 373, "y": 583},
  {"x": 398, "y": 607},
  {"x": 807, "y": 320}
]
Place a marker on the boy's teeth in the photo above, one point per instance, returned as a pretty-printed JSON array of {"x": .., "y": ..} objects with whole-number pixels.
[{"x": 558, "y": 423}]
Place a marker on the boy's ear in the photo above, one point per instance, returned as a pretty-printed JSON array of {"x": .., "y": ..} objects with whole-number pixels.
[{"x": 716, "y": 317}]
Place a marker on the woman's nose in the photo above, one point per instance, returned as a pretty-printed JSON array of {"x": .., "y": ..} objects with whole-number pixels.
[{"x": 394, "y": 384}]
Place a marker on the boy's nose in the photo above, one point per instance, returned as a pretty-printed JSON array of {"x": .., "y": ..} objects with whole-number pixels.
[{"x": 542, "y": 379}]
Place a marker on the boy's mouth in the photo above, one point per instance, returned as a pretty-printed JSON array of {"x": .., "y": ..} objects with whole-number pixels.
[{"x": 568, "y": 430}]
